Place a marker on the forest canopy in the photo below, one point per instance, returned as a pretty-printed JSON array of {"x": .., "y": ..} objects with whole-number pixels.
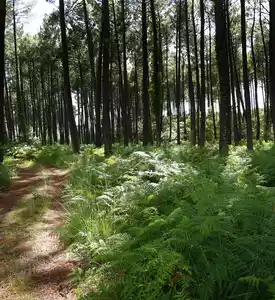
[{"x": 151, "y": 71}]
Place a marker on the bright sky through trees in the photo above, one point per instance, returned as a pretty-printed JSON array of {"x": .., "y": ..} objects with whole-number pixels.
[{"x": 40, "y": 9}]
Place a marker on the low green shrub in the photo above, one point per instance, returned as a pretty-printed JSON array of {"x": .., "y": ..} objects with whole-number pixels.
[
  {"x": 169, "y": 224},
  {"x": 264, "y": 160},
  {"x": 5, "y": 177},
  {"x": 55, "y": 155}
]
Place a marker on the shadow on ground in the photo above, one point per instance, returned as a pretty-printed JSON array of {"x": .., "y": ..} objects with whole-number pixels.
[{"x": 33, "y": 264}]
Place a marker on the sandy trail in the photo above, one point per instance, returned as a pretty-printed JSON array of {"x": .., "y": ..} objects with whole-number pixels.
[{"x": 33, "y": 263}]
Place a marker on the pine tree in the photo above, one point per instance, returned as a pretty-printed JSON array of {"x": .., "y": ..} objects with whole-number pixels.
[{"x": 2, "y": 71}]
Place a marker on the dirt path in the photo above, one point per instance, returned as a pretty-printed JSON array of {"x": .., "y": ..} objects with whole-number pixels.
[{"x": 33, "y": 264}]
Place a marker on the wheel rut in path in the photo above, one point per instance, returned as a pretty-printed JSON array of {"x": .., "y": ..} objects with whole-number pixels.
[{"x": 33, "y": 263}]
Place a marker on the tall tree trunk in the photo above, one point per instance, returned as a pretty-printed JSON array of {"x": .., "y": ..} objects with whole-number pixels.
[
  {"x": 258, "y": 128},
  {"x": 21, "y": 115},
  {"x": 49, "y": 111},
  {"x": 246, "y": 81},
  {"x": 67, "y": 85},
  {"x": 43, "y": 112},
  {"x": 202, "y": 95},
  {"x": 232, "y": 79},
  {"x": 223, "y": 68},
  {"x": 125, "y": 101},
  {"x": 145, "y": 78},
  {"x": 119, "y": 70},
  {"x": 92, "y": 70},
  {"x": 106, "y": 84},
  {"x": 156, "y": 74},
  {"x": 2, "y": 73},
  {"x": 198, "y": 88},
  {"x": 178, "y": 70},
  {"x": 272, "y": 63},
  {"x": 8, "y": 112},
  {"x": 54, "y": 107},
  {"x": 169, "y": 112},
  {"x": 190, "y": 81},
  {"x": 98, "y": 134},
  {"x": 267, "y": 85},
  {"x": 136, "y": 101},
  {"x": 211, "y": 82}
]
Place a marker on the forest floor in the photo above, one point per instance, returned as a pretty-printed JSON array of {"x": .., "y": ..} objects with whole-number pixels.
[{"x": 33, "y": 263}]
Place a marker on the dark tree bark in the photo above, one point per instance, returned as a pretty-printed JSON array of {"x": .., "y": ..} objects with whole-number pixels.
[
  {"x": 119, "y": 70},
  {"x": 272, "y": 63},
  {"x": 43, "y": 107},
  {"x": 178, "y": 70},
  {"x": 90, "y": 43},
  {"x": 190, "y": 81},
  {"x": 145, "y": 78},
  {"x": 21, "y": 114},
  {"x": 156, "y": 74},
  {"x": 169, "y": 112},
  {"x": 49, "y": 112},
  {"x": 106, "y": 84},
  {"x": 198, "y": 88},
  {"x": 2, "y": 73},
  {"x": 266, "y": 75},
  {"x": 246, "y": 81},
  {"x": 53, "y": 106},
  {"x": 232, "y": 79},
  {"x": 125, "y": 101},
  {"x": 98, "y": 134},
  {"x": 258, "y": 127},
  {"x": 136, "y": 101},
  {"x": 223, "y": 68},
  {"x": 211, "y": 83},
  {"x": 202, "y": 95},
  {"x": 67, "y": 85},
  {"x": 8, "y": 112}
]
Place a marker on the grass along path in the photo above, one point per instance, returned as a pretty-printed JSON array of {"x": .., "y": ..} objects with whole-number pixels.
[{"x": 33, "y": 264}]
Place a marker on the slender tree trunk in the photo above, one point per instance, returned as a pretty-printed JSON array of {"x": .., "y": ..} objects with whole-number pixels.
[
  {"x": 106, "y": 83},
  {"x": 67, "y": 85},
  {"x": 202, "y": 95},
  {"x": 90, "y": 43},
  {"x": 169, "y": 112},
  {"x": 2, "y": 73},
  {"x": 190, "y": 81},
  {"x": 232, "y": 79},
  {"x": 53, "y": 107},
  {"x": 21, "y": 115},
  {"x": 211, "y": 83},
  {"x": 272, "y": 63},
  {"x": 43, "y": 112},
  {"x": 198, "y": 88},
  {"x": 156, "y": 74},
  {"x": 258, "y": 128},
  {"x": 125, "y": 102},
  {"x": 136, "y": 101},
  {"x": 119, "y": 70},
  {"x": 246, "y": 81},
  {"x": 267, "y": 85},
  {"x": 178, "y": 70},
  {"x": 145, "y": 78},
  {"x": 223, "y": 68},
  {"x": 98, "y": 135}
]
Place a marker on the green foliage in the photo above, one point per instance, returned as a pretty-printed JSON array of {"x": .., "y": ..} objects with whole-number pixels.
[
  {"x": 5, "y": 177},
  {"x": 264, "y": 161},
  {"x": 172, "y": 223},
  {"x": 55, "y": 155}
]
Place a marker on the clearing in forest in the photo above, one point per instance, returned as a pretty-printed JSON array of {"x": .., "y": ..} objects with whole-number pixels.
[{"x": 33, "y": 264}]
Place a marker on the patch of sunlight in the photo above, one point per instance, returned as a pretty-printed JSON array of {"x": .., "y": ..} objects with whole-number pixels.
[{"x": 33, "y": 207}]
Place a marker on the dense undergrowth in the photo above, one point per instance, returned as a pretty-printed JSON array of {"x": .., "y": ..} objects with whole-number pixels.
[
  {"x": 168, "y": 223},
  {"x": 173, "y": 223}
]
